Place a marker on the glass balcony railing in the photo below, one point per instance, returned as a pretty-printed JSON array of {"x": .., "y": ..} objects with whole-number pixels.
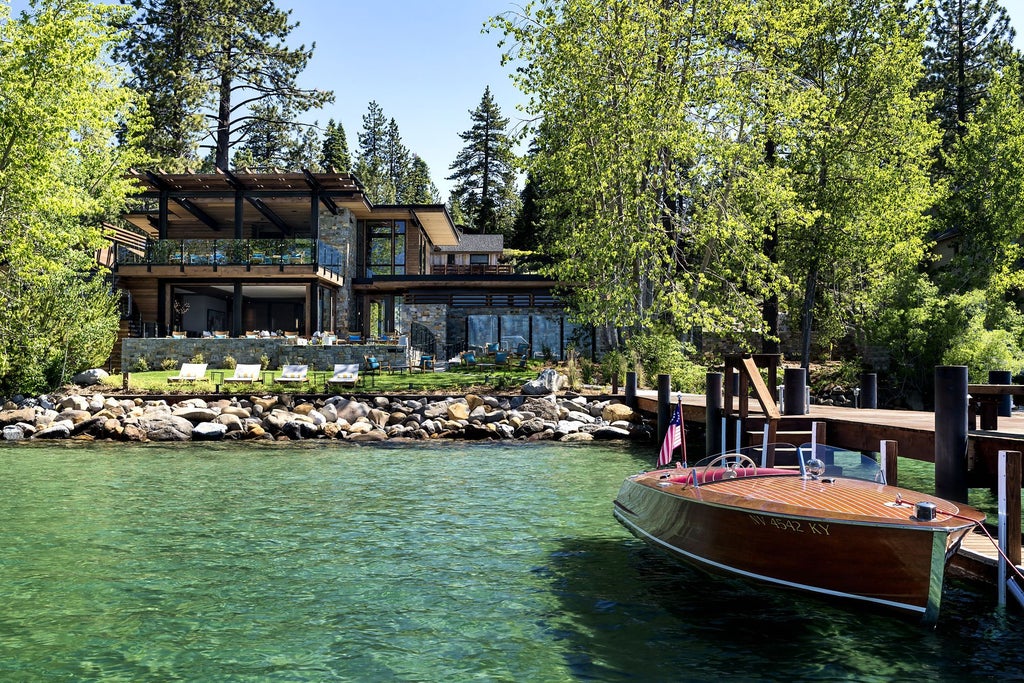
[{"x": 255, "y": 252}]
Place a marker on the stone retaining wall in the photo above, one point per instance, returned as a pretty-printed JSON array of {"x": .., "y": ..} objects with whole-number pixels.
[{"x": 278, "y": 351}]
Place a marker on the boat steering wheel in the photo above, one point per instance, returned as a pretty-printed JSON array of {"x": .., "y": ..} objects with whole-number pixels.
[{"x": 730, "y": 461}]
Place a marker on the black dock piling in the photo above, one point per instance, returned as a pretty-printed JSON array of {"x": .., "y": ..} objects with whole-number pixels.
[
  {"x": 664, "y": 405},
  {"x": 951, "y": 432},
  {"x": 794, "y": 395},
  {"x": 713, "y": 414},
  {"x": 868, "y": 391}
]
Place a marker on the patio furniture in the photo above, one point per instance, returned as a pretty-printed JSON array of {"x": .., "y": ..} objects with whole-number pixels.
[
  {"x": 345, "y": 374},
  {"x": 372, "y": 365},
  {"x": 249, "y": 373},
  {"x": 426, "y": 364},
  {"x": 190, "y": 372},
  {"x": 293, "y": 374}
]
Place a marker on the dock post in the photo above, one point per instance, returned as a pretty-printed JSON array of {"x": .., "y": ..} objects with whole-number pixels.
[
  {"x": 713, "y": 414},
  {"x": 794, "y": 383},
  {"x": 630, "y": 389},
  {"x": 869, "y": 390},
  {"x": 1005, "y": 408},
  {"x": 1009, "y": 515},
  {"x": 664, "y": 405},
  {"x": 890, "y": 451},
  {"x": 951, "y": 404}
]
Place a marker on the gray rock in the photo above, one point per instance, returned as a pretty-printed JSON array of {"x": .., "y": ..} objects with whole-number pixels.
[
  {"x": 209, "y": 431},
  {"x": 609, "y": 433},
  {"x": 88, "y": 378},
  {"x": 548, "y": 382},
  {"x": 13, "y": 433},
  {"x": 58, "y": 430}
]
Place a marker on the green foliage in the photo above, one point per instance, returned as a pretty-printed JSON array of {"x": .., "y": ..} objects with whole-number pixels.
[
  {"x": 264, "y": 362},
  {"x": 335, "y": 155},
  {"x": 229, "y": 362},
  {"x": 197, "y": 357},
  {"x": 980, "y": 347},
  {"x": 140, "y": 364},
  {"x": 168, "y": 364},
  {"x": 970, "y": 41},
  {"x": 229, "y": 57},
  {"x": 613, "y": 367},
  {"x": 484, "y": 171},
  {"x": 660, "y": 353},
  {"x": 61, "y": 176}
]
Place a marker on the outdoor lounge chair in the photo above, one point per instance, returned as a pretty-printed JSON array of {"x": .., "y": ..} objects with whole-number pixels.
[
  {"x": 246, "y": 373},
  {"x": 293, "y": 374},
  {"x": 371, "y": 365},
  {"x": 501, "y": 358},
  {"x": 190, "y": 372},
  {"x": 345, "y": 374},
  {"x": 492, "y": 347},
  {"x": 426, "y": 364},
  {"x": 469, "y": 359}
]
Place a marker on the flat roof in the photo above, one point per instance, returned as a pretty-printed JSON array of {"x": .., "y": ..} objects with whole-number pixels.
[{"x": 283, "y": 198}]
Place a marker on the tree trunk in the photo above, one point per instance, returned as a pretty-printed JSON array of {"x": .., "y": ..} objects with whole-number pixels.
[
  {"x": 224, "y": 122},
  {"x": 807, "y": 316}
]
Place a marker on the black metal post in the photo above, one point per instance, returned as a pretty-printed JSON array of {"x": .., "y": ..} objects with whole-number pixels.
[
  {"x": 631, "y": 390},
  {"x": 1005, "y": 402},
  {"x": 713, "y": 414},
  {"x": 664, "y": 405},
  {"x": 951, "y": 432},
  {"x": 795, "y": 386},
  {"x": 869, "y": 390}
]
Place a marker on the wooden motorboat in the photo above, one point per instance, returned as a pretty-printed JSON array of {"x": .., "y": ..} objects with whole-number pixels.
[{"x": 828, "y": 525}]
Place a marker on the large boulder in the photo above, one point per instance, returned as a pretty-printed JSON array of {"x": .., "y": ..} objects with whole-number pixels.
[
  {"x": 614, "y": 412},
  {"x": 548, "y": 382},
  {"x": 88, "y": 378}
]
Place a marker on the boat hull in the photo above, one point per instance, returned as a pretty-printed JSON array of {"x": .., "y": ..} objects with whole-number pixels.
[{"x": 895, "y": 563}]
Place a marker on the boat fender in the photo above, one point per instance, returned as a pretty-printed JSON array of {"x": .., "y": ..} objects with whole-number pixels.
[{"x": 924, "y": 511}]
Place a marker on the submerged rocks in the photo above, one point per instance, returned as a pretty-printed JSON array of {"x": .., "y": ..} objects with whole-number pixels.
[{"x": 471, "y": 417}]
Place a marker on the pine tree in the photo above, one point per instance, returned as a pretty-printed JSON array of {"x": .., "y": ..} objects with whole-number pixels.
[
  {"x": 420, "y": 188},
  {"x": 485, "y": 170},
  {"x": 334, "y": 153},
  {"x": 205, "y": 65},
  {"x": 969, "y": 41},
  {"x": 397, "y": 161},
  {"x": 371, "y": 165}
]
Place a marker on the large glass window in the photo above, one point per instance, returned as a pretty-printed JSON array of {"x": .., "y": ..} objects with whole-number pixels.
[{"x": 386, "y": 246}]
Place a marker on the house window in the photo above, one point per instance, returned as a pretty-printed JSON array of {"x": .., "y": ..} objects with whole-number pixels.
[
  {"x": 478, "y": 259},
  {"x": 386, "y": 248}
]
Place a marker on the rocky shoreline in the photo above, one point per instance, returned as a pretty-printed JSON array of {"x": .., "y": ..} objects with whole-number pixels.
[{"x": 88, "y": 417}]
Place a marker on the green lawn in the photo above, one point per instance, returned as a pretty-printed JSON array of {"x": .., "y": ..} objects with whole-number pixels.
[{"x": 455, "y": 379}]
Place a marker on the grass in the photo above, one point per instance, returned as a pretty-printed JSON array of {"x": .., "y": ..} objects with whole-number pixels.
[{"x": 456, "y": 379}]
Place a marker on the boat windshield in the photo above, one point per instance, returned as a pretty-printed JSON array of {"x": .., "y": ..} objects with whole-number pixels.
[
  {"x": 806, "y": 459},
  {"x": 841, "y": 462}
]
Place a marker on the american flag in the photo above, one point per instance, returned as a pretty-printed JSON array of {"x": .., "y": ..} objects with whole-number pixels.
[{"x": 673, "y": 439}]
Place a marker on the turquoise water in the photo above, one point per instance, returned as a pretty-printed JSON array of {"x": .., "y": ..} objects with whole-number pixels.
[{"x": 425, "y": 562}]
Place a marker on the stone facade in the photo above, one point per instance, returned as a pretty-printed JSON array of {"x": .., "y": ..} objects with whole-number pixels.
[{"x": 340, "y": 232}]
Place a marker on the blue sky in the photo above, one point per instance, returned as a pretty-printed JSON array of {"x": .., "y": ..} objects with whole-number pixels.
[{"x": 425, "y": 62}]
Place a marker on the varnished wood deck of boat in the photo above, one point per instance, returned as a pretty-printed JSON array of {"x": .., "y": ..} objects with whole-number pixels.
[{"x": 845, "y": 499}]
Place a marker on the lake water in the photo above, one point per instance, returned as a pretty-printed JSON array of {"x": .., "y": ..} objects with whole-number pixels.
[{"x": 318, "y": 561}]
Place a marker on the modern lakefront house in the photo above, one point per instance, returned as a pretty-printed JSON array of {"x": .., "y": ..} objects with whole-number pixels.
[{"x": 302, "y": 259}]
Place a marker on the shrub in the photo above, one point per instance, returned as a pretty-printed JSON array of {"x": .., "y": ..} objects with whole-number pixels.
[
  {"x": 655, "y": 353},
  {"x": 613, "y": 367},
  {"x": 140, "y": 364},
  {"x": 264, "y": 362},
  {"x": 197, "y": 358},
  {"x": 168, "y": 364},
  {"x": 230, "y": 362}
]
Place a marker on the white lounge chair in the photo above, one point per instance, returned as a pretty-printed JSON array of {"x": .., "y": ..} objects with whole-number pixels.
[
  {"x": 190, "y": 372},
  {"x": 245, "y": 373},
  {"x": 294, "y": 374},
  {"x": 345, "y": 374}
]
